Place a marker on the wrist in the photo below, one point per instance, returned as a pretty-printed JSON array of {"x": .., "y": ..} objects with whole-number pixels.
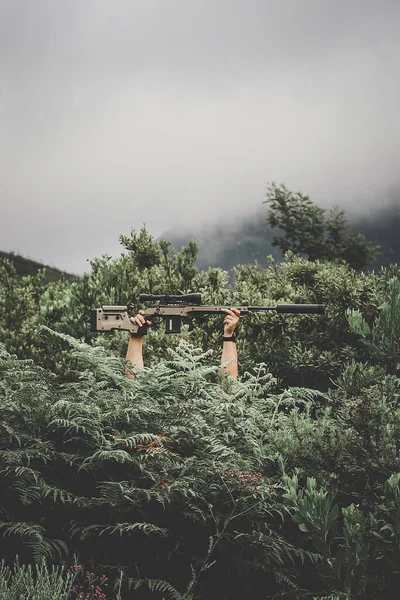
[
  {"x": 228, "y": 337},
  {"x": 137, "y": 339}
]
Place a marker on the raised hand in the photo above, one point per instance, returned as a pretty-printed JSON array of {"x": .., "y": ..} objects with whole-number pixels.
[
  {"x": 231, "y": 320},
  {"x": 140, "y": 320}
]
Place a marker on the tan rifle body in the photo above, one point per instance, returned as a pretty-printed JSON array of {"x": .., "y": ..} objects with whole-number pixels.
[{"x": 114, "y": 318}]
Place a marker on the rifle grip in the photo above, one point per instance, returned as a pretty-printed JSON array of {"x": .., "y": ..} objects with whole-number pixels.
[{"x": 142, "y": 330}]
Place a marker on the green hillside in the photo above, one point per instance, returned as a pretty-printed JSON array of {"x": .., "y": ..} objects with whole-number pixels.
[
  {"x": 245, "y": 242},
  {"x": 26, "y": 266}
]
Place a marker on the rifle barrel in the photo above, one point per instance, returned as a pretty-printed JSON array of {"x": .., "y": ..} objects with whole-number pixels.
[
  {"x": 290, "y": 308},
  {"x": 280, "y": 308},
  {"x": 301, "y": 308}
]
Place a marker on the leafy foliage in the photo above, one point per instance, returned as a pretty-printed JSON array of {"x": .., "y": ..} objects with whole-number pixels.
[
  {"x": 383, "y": 337},
  {"x": 141, "y": 460},
  {"x": 29, "y": 583},
  {"x": 112, "y": 468},
  {"x": 308, "y": 232},
  {"x": 284, "y": 483},
  {"x": 42, "y": 582}
]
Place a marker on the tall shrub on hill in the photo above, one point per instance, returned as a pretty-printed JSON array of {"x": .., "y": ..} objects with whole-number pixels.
[
  {"x": 308, "y": 232},
  {"x": 20, "y": 300},
  {"x": 308, "y": 350},
  {"x": 148, "y": 265},
  {"x": 382, "y": 337}
]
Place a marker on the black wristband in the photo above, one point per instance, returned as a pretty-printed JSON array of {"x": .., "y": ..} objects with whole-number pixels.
[{"x": 232, "y": 338}]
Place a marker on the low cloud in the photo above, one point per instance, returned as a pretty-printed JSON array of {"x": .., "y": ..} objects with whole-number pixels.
[{"x": 178, "y": 114}]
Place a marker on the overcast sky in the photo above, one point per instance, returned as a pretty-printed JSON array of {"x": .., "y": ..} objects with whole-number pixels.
[{"x": 178, "y": 112}]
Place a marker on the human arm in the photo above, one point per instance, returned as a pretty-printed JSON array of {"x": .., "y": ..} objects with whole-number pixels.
[
  {"x": 134, "y": 353},
  {"x": 229, "y": 350}
]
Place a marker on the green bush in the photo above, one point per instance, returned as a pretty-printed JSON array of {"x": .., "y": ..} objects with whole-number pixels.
[
  {"x": 42, "y": 582},
  {"x": 39, "y": 583},
  {"x": 161, "y": 475},
  {"x": 190, "y": 488},
  {"x": 306, "y": 230},
  {"x": 282, "y": 484},
  {"x": 305, "y": 350}
]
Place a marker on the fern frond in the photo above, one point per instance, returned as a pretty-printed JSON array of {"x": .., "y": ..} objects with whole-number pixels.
[
  {"x": 147, "y": 528},
  {"x": 34, "y": 537},
  {"x": 157, "y": 585}
]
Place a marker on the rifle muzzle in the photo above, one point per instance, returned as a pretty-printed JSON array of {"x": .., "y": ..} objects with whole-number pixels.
[{"x": 301, "y": 308}]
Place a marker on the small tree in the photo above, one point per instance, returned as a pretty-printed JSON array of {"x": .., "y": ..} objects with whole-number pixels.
[{"x": 308, "y": 232}]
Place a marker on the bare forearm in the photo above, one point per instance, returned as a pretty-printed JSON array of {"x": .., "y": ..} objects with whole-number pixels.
[
  {"x": 229, "y": 353},
  {"x": 134, "y": 353}
]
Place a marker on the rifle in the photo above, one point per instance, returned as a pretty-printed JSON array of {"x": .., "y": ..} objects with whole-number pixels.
[{"x": 174, "y": 308}]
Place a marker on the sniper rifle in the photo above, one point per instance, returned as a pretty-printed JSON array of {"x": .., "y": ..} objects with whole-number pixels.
[{"x": 175, "y": 308}]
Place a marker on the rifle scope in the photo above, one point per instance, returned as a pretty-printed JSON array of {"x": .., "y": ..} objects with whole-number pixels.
[{"x": 171, "y": 298}]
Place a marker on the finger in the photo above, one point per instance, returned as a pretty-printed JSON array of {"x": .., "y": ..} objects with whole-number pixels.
[
  {"x": 230, "y": 323},
  {"x": 148, "y": 323},
  {"x": 231, "y": 319},
  {"x": 141, "y": 312},
  {"x": 236, "y": 311},
  {"x": 227, "y": 311}
]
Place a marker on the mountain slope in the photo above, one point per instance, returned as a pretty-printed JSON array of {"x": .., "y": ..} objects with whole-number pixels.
[
  {"x": 242, "y": 242},
  {"x": 26, "y": 266}
]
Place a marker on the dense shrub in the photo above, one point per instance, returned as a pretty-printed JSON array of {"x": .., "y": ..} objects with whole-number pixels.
[
  {"x": 174, "y": 479},
  {"x": 307, "y": 231},
  {"x": 283, "y": 484},
  {"x": 160, "y": 474},
  {"x": 58, "y": 582},
  {"x": 298, "y": 349}
]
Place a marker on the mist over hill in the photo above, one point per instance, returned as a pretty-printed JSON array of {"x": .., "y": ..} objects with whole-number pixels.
[
  {"x": 382, "y": 227},
  {"x": 247, "y": 240},
  {"x": 229, "y": 243}
]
